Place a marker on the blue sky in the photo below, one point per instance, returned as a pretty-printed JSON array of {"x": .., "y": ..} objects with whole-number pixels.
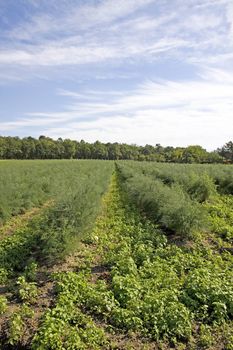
[{"x": 135, "y": 71}]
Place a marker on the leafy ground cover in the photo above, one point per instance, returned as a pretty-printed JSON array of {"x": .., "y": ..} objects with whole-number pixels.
[
  {"x": 130, "y": 284},
  {"x": 155, "y": 293},
  {"x": 49, "y": 236},
  {"x": 221, "y": 218}
]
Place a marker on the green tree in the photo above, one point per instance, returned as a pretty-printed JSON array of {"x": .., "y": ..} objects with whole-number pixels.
[
  {"x": 227, "y": 151},
  {"x": 195, "y": 154},
  {"x": 69, "y": 149}
]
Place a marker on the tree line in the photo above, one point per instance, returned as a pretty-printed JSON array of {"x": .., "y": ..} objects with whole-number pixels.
[{"x": 47, "y": 148}]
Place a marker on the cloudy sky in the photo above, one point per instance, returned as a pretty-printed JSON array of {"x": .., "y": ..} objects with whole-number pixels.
[{"x": 135, "y": 71}]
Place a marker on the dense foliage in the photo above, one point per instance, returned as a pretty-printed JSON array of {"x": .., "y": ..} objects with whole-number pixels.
[
  {"x": 169, "y": 206},
  {"x": 76, "y": 188},
  {"x": 199, "y": 181},
  {"x": 227, "y": 151},
  {"x": 26, "y": 184},
  {"x": 154, "y": 271},
  {"x": 47, "y": 148},
  {"x": 154, "y": 289}
]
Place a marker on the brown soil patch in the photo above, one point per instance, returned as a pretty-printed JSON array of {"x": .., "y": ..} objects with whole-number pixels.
[{"x": 21, "y": 220}]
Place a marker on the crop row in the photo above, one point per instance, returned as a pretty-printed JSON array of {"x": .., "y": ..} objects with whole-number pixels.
[
  {"x": 200, "y": 181},
  {"x": 48, "y": 238},
  {"x": 148, "y": 287},
  {"x": 153, "y": 289},
  {"x": 26, "y": 184},
  {"x": 220, "y": 214},
  {"x": 72, "y": 214},
  {"x": 170, "y": 206}
]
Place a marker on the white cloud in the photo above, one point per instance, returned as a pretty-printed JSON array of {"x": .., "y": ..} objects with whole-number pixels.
[
  {"x": 229, "y": 16},
  {"x": 73, "y": 36},
  {"x": 72, "y": 18},
  {"x": 149, "y": 127},
  {"x": 177, "y": 113},
  {"x": 84, "y": 54},
  {"x": 37, "y": 120},
  {"x": 112, "y": 31}
]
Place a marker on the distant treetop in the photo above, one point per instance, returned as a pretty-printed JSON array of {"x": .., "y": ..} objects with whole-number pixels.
[{"x": 47, "y": 148}]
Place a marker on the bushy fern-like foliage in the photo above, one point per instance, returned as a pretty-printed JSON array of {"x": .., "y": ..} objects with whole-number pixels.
[
  {"x": 76, "y": 188},
  {"x": 168, "y": 205}
]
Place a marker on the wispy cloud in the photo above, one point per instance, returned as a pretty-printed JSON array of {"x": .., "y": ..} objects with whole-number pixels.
[
  {"x": 113, "y": 31},
  {"x": 86, "y": 47},
  {"x": 76, "y": 17},
  {"x": 164, "y": 111},
  {"x": 71, "y": 55}
]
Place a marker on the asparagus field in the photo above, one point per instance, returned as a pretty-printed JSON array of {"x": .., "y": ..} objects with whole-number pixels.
[{"x": 126, "y": 255}]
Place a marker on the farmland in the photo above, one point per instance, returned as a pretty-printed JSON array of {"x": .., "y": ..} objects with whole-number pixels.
[{"x": 125, "y": 255}]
